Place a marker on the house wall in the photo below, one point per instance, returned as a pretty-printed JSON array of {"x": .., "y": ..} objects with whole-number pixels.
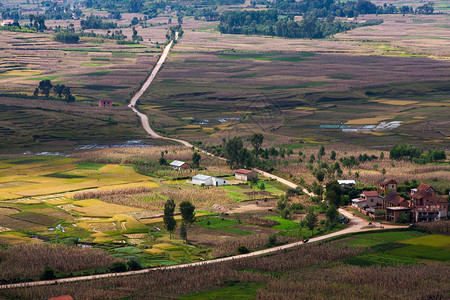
[
  {"x": 219, "y": 181},
  {"x": 374, "y": 201},
  {"x": 208, "y": 181}
]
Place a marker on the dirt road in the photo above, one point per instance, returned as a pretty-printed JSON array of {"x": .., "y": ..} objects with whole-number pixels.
[{"x": 356, "y": 225}]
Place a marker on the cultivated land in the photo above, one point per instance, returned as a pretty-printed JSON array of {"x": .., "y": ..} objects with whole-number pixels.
[
  {"x": 298, "y": 89},
  {"x": 358, "y": 92}
]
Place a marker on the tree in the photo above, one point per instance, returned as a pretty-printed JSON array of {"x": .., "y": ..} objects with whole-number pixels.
[
  {"x": 320, "y": 175},
  {"x": 333, "y": 155},
  {"x": 404, "y": 217},
  {"x": 58, "y": 89},
  {"x": 332, "y": 215},
  {"x": 196, "y": 159},
  {"x": 45, "y": 86},
  {"x": 48, "y": 273},
  {"x": 169, "y": 221},
  {"x": 333, "y": 193},
  {"x": 321, "y": 151},
  {"x": 183, "y": 232},
  {"x": 256, "y": 140},
  {"x": 187, "y": 212},
  {"x": 36, "y": 92},
  {"x": 311, "y": 220}
]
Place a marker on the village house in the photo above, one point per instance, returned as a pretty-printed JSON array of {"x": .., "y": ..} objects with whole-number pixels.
[
  {"x": 424, "y": 206},
  {"x": 105, "y": 102},
  {"x": 393, "y": 199},
  {"x": 393, "y": 213},
  {"x": 427, "y": 205},
  {"x": 7, "y": 22},
  {"x": 347, "y": 183},
  {"x": 208, "y": 180},
  {"x": 368, "y": 199},
  {"x": 179, "y": 165},
  {"x": 384, "y": 186},
  {"x": 245, "y": 175}
]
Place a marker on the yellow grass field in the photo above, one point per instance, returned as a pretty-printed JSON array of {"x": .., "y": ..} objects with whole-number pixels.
[
  {"x": 97, "y": 208},
  {"x": 396, "y": 102},
  {"x": 44, "y": 176}
]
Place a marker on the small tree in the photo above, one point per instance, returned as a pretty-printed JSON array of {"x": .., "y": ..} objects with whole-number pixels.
[
  {"x": 332, "y": 215},
  {"x": 48, "y": 273},
  {"x": 321, "y": 151},
  {"x": 196, "y": 159},
  {"x": 58, "y": 89},
  {"x": 256, "y": 140},
  {"x": 262, "y": 186},
  {"x": 187, "y": 212},
  {"x": 404, "y": 217},
  {"x": 183, "y": 232},
  {"x": 333, "y": 155},
  {"x": 311, "y": 220},
  {"x": 45, "y": 86},
  {"x": 169, "y": 221},
  {"x": 320, "y": 175}
]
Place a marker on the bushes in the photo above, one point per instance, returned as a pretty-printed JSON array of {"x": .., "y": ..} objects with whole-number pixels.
[
  {"x": 67, "y": 37},
  {"x": 243, "y": 250}
]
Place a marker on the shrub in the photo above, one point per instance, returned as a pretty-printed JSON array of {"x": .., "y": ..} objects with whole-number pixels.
[
  {"x": 243, "y": 250},
  {"x": 118, "y": 267},
  {"x": 48, "y": 274},
  {"x": 134, "y": 264}
]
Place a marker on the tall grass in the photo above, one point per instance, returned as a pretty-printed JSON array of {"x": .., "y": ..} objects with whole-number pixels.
[{"x": 28, "y": 260}]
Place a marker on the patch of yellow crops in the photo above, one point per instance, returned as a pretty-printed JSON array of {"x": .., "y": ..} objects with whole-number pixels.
[
  {"x": 396, "y": 102},
  {"x": 97, "y": 208},
  {"x": 22, "y": 73},
  {"x": 305, "y": 108},
  {"x": 370, "y": 121},
  {"x": 154, "y": 251},
  {"x": 435, "y": 104}
]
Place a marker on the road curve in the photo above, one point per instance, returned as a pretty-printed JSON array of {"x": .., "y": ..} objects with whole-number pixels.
[{"x": 356, "y": 225}]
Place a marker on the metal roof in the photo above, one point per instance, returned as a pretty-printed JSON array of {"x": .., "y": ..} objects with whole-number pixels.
[
  {"x": 346, "y": 182},
  {"x": 177, "y": 163},
  {"x": 201, "y": 177}
]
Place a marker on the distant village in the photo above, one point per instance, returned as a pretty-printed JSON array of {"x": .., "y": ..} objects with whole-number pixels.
[{"x": 423, "y": 204}]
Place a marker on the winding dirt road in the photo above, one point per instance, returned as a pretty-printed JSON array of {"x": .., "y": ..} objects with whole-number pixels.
[{"x": 356, "y": 224}]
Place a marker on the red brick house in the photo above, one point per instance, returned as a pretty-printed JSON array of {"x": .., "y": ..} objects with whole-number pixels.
[
  {"x": 386, "y": 185},
  {"x": 427, "y": 205},
  {"x": 393, "y": 213},
  {"x": 392, "y": 199}
]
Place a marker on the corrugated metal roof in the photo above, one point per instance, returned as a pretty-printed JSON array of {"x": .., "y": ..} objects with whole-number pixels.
[
  {"x": 346, "y": 182},
  {"x": 177, "y": 163},
  {"x": 201, "y": 177}
]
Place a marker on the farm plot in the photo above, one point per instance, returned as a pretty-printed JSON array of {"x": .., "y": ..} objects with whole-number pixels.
[
  {"x": 91, "y": 69},
  {"x": 50, "y": 175}
]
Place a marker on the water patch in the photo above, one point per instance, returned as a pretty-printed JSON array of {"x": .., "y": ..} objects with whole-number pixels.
[
  {"x": 382, "y": 126},
  {"x": 127, "y": 144}
]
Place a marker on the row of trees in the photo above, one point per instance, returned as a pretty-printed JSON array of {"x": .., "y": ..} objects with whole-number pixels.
[
  {"x": 95, "y": 22},
  {"x": 416, "y": 155},
  {"x": 269, "y": 23},
  {"x": 60, "y": 90},
  {"x": 349, "y": 9},
  {"x": 68, "y": 37},
  {"x": 187, "y": 210}
]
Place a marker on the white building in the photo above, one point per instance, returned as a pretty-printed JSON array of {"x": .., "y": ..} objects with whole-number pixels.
[
  {"x": 346, "y": 183},
  {"x": 208, "y": 180}
]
